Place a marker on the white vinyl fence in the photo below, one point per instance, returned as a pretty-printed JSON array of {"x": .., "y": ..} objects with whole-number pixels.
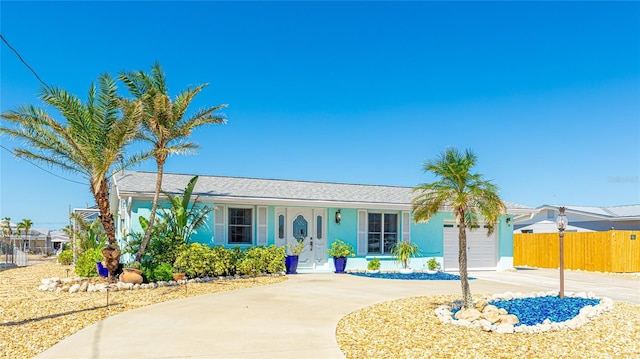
[{"x": 20, "y": 258}]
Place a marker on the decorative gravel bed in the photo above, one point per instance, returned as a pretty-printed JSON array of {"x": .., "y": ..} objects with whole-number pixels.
[
  {"x": 408, "y": 328},
  {"x": 32, "y": 320},
  {"x": 412, "y": 276},
  {"x": 535, "y": 310}
]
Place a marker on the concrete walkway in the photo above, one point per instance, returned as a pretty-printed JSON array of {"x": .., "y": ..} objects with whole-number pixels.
[{"x": 293, "y": 319}]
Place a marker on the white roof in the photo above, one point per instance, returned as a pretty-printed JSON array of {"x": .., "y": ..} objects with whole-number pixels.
[
  {"x": 547, "y": 226},
  {"x": 627, "y": 212}
]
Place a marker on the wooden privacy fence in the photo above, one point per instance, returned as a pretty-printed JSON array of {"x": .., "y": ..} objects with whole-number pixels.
[{"x": 610, "y": 251}]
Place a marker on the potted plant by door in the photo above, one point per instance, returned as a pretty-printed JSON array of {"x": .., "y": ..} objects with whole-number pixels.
[
  {"x": 340, "y": 250},
  {"x": 404, "y": 250},
  {"x": 433, "y": 266},
  {"x": 373, "y": 266},
  {"x": 293, "y": 253}
]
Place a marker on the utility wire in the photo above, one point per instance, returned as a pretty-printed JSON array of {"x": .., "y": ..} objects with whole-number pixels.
[
  {"x": 21, "y": 59},
  {"x": 44, "y": 169},
  {"x": 39, "y": 79}
]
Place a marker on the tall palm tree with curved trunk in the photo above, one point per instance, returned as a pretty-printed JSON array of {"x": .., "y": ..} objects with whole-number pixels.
[
  {"x": 88, "y": 143},
  {"x": 165, "y": 125},
  {"x": 25, "y": 225},
  {"x": 467, "y": 194}
]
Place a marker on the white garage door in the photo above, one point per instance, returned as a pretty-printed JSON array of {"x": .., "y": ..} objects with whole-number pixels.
[{"x": 481, "y": 250}]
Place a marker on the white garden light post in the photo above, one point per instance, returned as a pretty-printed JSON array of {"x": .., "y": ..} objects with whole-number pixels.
[{"x": 562, "y": 222}]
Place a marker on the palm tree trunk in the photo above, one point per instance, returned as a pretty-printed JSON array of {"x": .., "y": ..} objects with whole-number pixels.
[
  {"x": 111, "y": 252},
  {"x": 152, "y": 215},
  {"x": 462, "y": 264}
]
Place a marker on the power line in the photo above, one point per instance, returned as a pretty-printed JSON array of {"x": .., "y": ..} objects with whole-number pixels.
[
  {"x": 42, "y": 82},
  {"x": 23, "y": 61},
  {"x": 44, "y": 169}
]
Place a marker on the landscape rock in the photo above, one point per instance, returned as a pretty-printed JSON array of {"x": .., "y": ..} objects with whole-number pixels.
[
  {"x": 74, "y": 288},
  {"x": 468, "y": 314},
  {"x": 509, "y": 319},
  {"x": 491, "y": 316},
  {"x": 504, "y": 328}
]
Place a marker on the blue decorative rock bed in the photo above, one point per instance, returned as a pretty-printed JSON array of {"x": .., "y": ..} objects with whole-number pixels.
[
  {"x": 533, "y": 313},
  {"x": 535, "y": 310},
  {"x": 412, "y": 276}
]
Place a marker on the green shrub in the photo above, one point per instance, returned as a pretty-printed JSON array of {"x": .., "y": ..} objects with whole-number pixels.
[
  {"x": 258, "y": 260},
  {"x": 195, "y": 260},
  {"x": 65, "y": 257},
  {"x": 163, "y": 272},
  {"x": 224, "y": 260},
  {"x": 374, "y": 264},
  {"x": 157, "y": 273},
  {"x": 86, "y": 263}
]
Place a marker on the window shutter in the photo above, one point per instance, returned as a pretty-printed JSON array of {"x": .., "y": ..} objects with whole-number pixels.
[
  {"x": 406, "y": 226},
  {"x": 362, "y": 233},
  {"x": 262, "y": 226},
  {"x": 218, "y": 226}
]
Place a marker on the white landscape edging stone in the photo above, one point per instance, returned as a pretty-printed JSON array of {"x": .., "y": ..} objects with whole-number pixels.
[
  {"x": 81, "y": 284},
  {"x": 478, "y": 320}
]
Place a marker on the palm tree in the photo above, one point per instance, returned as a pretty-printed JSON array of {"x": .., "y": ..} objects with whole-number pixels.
[
  {"x": 88, "y": 143},
  {"x": 165, "y": 125},
  {"x": 6, "y": 235},
  {"x": 25, "y": 225},
  {"x": 468, "y": 194}
]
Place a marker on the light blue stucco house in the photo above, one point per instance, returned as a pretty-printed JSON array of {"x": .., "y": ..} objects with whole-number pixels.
[{"x": 257, "y": 212}]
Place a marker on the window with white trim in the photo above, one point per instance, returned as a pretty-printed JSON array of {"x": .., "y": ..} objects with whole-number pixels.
[
  {"x": 382, "y": 233},
  {"x": 240, "y": 226}
]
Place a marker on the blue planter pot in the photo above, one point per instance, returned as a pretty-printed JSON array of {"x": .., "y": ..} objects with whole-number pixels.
[
  {"x": 291, "y": 263},
  {"x": 340, "y": 263}
]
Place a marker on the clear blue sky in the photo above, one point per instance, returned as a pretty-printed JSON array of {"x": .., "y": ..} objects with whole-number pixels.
[{"x": 546, "y": 93}]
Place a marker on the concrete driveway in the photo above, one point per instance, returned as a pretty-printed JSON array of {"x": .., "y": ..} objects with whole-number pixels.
[{"x": 293, "y": 319}]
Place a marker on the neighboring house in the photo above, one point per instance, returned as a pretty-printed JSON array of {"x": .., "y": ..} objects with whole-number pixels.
[
  {"x": 581, "y": 219},
  {"x": 58, "y": 239},
  {"x": 36, "y": 241},
  {"x": 372, "y": 218}
]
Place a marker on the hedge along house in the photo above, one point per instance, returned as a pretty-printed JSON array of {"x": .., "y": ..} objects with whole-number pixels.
[{"x": 372, "y": 218}]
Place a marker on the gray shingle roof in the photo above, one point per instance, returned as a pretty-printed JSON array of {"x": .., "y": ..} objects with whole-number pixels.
[{"x": 142, "y": 184}]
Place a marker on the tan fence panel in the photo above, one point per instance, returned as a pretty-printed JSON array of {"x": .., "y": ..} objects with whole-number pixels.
[{"x": 611, "y": 251}]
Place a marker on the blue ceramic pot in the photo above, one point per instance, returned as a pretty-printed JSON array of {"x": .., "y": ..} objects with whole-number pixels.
[
  {"x": 291, "y": 263},
  {"x": 340, "y": 263}
]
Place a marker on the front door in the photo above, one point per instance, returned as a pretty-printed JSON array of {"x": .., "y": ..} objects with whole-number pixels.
[{"x": 307, "y": 225}]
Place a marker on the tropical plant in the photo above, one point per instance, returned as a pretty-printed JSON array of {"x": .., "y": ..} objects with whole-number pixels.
[
  {"x": 165, "y": 125},
  {"x": 163, "y": 246},
  {"x": 89, "y": 143},
  {"x": 468, "y": 194},
  {"x": 374, "y": 264},
  {"x": 7, "y": 232},
  {"x": 295, "y": 248},
  {"x": 25, "y": 225},
  {"x": 183, "y": 217},
  {"x": 340, "y": 249},
  {"x": 86, "y": 234},
  {"x": 433, "y": 264},
  {"x": 403, "y": 251}
]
